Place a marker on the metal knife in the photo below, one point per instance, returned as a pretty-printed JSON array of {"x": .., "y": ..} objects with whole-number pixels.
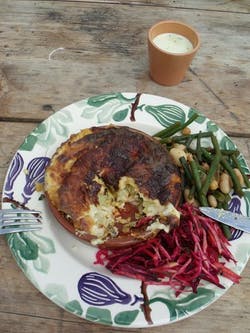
[{"x": 234, "y": 220}]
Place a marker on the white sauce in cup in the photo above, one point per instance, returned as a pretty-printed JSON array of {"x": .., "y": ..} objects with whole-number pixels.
[{"x": 173, "y": 43}]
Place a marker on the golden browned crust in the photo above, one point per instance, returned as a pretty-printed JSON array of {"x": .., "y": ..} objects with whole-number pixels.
[{"x": 92, "y": 166}]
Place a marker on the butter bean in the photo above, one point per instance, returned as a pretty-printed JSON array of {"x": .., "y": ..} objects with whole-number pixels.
[
  {"x": 213, "y": 185},
  {"x": 212, "y": 201},
  {"x": 177, "y": 153},
  {"x": 186, "y": 131},
  {"x": 224, "y": 183},
  {"x": 239, "y": 176}
]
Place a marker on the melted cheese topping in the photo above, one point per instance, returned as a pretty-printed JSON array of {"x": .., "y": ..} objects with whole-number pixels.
[
  {"x": 103, "y": 211},
  {"x": 105, "y": 215}
]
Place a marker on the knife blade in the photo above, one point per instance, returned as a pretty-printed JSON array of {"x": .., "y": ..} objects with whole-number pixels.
[{"x": 234, "y": 220}]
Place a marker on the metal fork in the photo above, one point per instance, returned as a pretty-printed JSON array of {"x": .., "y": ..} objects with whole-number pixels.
[{"x": 18, "y": 220}]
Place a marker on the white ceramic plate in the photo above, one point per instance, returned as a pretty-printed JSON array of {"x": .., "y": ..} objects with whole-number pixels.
[{"x": 60, "y": 265}]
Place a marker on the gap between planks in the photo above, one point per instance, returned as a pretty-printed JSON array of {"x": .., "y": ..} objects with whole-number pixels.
[{"x": 145, "y": 4}]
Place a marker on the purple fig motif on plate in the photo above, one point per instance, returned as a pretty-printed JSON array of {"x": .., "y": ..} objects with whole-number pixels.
[
  {"x": 235, "y": 206},
  {"x": 34, "y": 174},
  {"x": 99, "y": 290},
  {"x": 15, "y": 169}
]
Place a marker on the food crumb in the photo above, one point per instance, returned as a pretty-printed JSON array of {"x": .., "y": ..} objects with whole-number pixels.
[
  {"x": 26, "y": 171},
  {"x": 39, "y": 187}
]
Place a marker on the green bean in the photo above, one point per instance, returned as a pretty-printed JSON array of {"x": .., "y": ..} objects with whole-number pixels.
[
  {"x": 220, "y": 197},
  {"x": 219, "y": 206},
  {"x": 232, "y": 174},
  {"x": 226, "y": 231},
  {"x": 221, "y": 159},
  {"x": 188, "y": 142},
  {"x": 228, "y": 152},
  {"x": 176, "y": 127},
  {"x": 198, "y": 147},
  {"x": 206, "y": 155},
  {"x": 203, "y": 200},
  {"x": 191, "y": 150},
  {"x": 167, "y": 141},
  {"x": 189, "y": 121},
  {"x": 197, "y": 181},
  {"x": 192, "y": 191},
  {"x": 167, "y": 132},
  {"x": 216, "y": 145},
  {"x": 186, "y": 169},
  {"x": 226, "y": 201},
  {"x": 193, "y": 136},
  {"x": 195, "y": 173},
  {"x": 212, "y": 170}
]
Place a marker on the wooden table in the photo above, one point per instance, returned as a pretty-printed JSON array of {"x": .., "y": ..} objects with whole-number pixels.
[{"x": 56, "y": 52}]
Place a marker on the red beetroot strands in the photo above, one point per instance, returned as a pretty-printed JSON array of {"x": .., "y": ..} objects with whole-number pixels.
[{"x": 181, "y": 259}]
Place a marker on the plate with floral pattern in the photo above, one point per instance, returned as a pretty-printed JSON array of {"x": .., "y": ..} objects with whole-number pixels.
[{"x": 62, "y": 266}]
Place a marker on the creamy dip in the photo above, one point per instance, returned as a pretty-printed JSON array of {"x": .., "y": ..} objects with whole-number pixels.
[{"x": 173, "y": 43}]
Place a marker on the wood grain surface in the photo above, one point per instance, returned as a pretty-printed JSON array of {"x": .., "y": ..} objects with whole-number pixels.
[
  {"x": 53, "y": 53},
  {"x": 110, "y": 54}
]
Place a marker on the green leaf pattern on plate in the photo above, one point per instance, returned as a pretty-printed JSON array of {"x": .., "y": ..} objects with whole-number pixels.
[
  {"x": 23, "y": 246},
  {"x": 13, "y": 241},
  {"x": 200, "y": 120},
  {"x": 29, "y": 142},
  {"x": 46, "y": 133},
  {"x": 166, "y": 114},
  {"x": 46, "y": 245},
  {"x": 179, "y": 307},
  {"x": 74, "y": 307},
  {"x": 120, "y": 115},
  {"x": 59, "y": 295},
  {"x": 126, "y": 317},
  {"x": 212, "y": 127},
  {"x": 227, "y": 143},
  {"x": 100, "y": 100},
  {"x": 247, "y": 201},
  {"x": 31, "y": 247},
  {"x": 107, "y": 107},
  {"x": 243, "y": 164},
  {"x": 102, "y": 316},
  {"x": 42, "y": 264}
]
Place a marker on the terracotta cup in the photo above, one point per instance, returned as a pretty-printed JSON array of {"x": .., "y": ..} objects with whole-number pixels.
[{"x": 167, "y": 68}]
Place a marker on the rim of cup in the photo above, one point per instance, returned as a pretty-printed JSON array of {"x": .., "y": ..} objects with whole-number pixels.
[{"x": 195, "y": 41}]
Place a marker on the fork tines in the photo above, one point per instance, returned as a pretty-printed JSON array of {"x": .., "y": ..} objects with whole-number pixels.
[
  {"x": 17, "y": 217},
  {"x": 18, "y": 210}
]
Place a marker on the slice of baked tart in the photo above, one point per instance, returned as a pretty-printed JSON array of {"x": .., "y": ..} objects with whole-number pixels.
[{"x": 113, "y": 186}]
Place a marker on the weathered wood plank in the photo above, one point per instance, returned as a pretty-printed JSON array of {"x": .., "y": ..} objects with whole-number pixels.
[
  {"x": 12, "y": 135},
  {"x": 242, "y": 6},
  {"x": 104, "y": 49},
  {"x": 112, "y": 56}
]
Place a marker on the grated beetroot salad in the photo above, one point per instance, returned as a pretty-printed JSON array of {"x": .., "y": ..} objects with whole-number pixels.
[{"x": 191, "y": 252}]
